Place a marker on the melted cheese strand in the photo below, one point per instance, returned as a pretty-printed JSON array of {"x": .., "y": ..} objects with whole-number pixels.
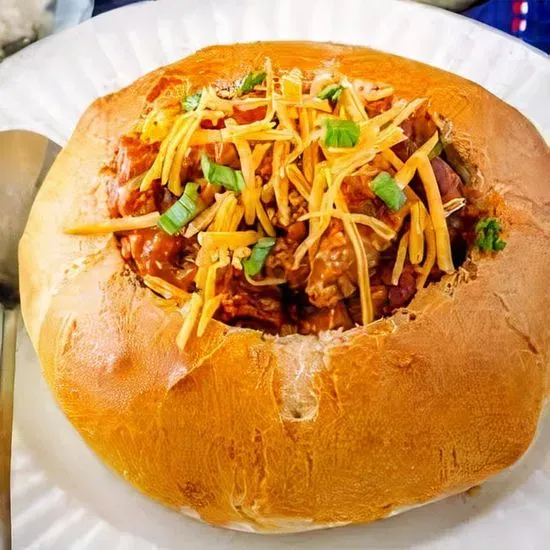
[
  {"x": 393, "y": 159},
  {"x": 205, "y": 218},
  {"x": 210, "y": 282},
  {"x": 437, "y": 214},
  {"x": 430, "y": 255},
  {"x": 454, "y": 205},
  {"x": 166, "y": 289},
  {"x": 171, "y": 151},
  {"x": 327, "y": 203},
  {"x": 400, "y": 259},
  {"x": 298, "y": 180},
  {"x": 291, "y": 86},
  {"x": 376, "y": 95},
  {"x": 317, "y": 104},
  {"x": 114, "y": 225},
  {"x": 409, "y": 110},
  {"x": 227, "y": 239},
  {"x": 352, "y": 102},
  {"x": 235, "y": 220},
  {"x": 263, "y": 218},
  {"x": 428, "y": 147},
  {"x": 210, "y": 100},
  {"x": 270, "y": 135},
  {"x": 378, "y": 226},
  {"x": 190, "y": 319},
  {"x": 316, "y": 198},
  {"x": 225, "y": 213},
  {"x": 363, "y": 277},
  {"x": 408, "y": 170},
  {"x": 280, "y": 182},
  {"x": 174, "y": 179},
  {"x": 268, "y": 281},
  {"x": 288, "y": 124},
  {"x": 208, "y": 311},
  {"x": 155, "y": 171},
  {"x": 304, "y": 126},
  {"x": 386, "y": 117},
  {"x": 235, "y": 131},
  {"x": 311, "y": 151},
  {"x": 316, "y": 226},
  {"x": 259, "y": 153},
  {"x": 250, "y": 195},
  {"x": 200, "y": 277},
  {"x": 416, "y": 248},
  {"x": 270, "y": 90},
  {"x": 203, "y": 137}
]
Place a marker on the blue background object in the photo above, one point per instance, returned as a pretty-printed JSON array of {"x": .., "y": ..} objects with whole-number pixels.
[
  {"x": 507, "y": 16},
  {"x": 106, "y": 5},
  {"x": 533, "y": 27}
]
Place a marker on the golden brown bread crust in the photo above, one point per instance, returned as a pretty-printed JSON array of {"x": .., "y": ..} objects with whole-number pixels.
[{"x": 299, "y": 432}]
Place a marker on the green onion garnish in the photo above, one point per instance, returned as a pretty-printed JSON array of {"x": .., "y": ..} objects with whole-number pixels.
[
  {"x": 251, "y": 81},
  {"x": 386, "y": 189},
  {"x": 191, "y": 102},
  {"x": 218, "y": 174},
  {"x": 436, "y": 151},
  {"x": 341, "y": 133},
  {"x": 255, "y": 262},
  {"x": 182, "y": 211},
  {"x": 331, "y": 92},
  {"x": 488, "y": 233}
]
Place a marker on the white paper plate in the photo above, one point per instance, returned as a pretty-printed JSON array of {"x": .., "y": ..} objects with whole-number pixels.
[{"x": 63, "y": 497}]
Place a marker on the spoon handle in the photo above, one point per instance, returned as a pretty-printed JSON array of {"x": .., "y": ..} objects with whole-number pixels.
[{"x": 8, "y": 337}]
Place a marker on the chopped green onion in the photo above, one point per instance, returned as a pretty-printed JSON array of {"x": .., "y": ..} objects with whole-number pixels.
[
  {"x": 191, "y": 102},
  {"x": 331, "y": 92},
  {"x": 251, "y": 81},
  {"x": 436, "y": 151},
  {"x": 218, "y": 174},
  {"x": 182, "y": 211},
  {"x": 386, "y": 189},
  {"x": 255, "y": 262},
  {"x": 488, "y": 232},
  {"x": 341, "y": 133}
]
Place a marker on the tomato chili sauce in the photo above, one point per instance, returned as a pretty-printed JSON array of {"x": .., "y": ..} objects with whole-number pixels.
[{"x": 261, "y": 284}]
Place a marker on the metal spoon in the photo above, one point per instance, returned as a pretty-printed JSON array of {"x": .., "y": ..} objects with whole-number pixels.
[{"x": 25, "y": 159}]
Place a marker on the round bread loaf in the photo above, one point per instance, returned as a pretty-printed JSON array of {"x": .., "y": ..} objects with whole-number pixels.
[{"x": 250, "y": 431}]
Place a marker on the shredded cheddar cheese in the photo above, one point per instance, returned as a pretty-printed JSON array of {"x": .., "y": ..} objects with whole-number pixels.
[
  {"x": 208, "y": 311},
  {"x": 206, "y": 217},
  {"x": 437, "y": 214},
  {"x": 454, "y": 205},
  {"x": 430, "y": 254},
  {"x": 264, "y": 220},
  {"x": 408, "y": 110},
  {"x": 114, "y": 225},
  {"x": 191, "y": 316},
  {"x": 166, "y": 289},
  {"x": 280, "y": 160},
  {"x": 227, "y": 239},
  {"x": 400, "y": 259},
  {"x": 381, "y": 229},
  {"x": 352, "y": 103},
  {"x": 416, "y": 247},
  {"x": 363, "y": 277},
  {"x": 279, "y": 181},
  {"x": 250, "y": 194},
  {"x": 298, "y": 180},
  {"x": 258, "y": 154}
]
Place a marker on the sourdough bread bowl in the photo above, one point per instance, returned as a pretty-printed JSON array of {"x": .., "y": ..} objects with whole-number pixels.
[{"x": 273, "y": 433}]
